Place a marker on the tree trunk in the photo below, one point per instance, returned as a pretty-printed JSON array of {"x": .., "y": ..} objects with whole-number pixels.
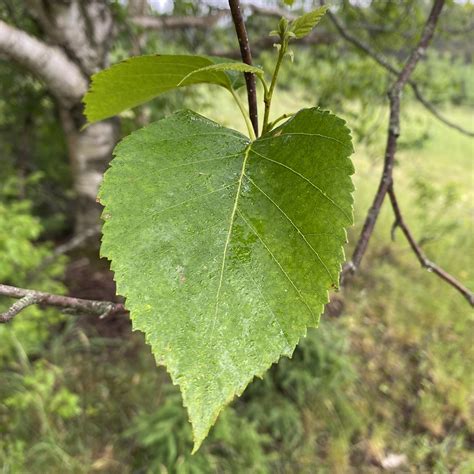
[
  {"x": 83, "y": 29},
  {"x": 74, "y": 45},
  {"x": 89, "y": 151}
]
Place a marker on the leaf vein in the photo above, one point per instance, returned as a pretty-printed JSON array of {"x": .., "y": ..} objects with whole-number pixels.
[
  {"x": 308, "y": 181},
  {"x": 277, "y": 262},
  {"x": 291, "y": 134},
  {"x": 293, "y": 224},
  {"x": 227, "y": 241}
]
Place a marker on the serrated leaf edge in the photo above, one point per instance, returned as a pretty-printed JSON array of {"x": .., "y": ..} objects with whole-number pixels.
[{"x": 161, "y": 359}]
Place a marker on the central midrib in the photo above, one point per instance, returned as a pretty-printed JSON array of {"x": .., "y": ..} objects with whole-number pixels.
[{"x": 229, "y": 233}]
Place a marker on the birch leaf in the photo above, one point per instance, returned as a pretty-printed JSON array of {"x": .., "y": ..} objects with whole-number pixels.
[
  {"x": 225, "y": 249},
  {"x": 139, "y": 79}
]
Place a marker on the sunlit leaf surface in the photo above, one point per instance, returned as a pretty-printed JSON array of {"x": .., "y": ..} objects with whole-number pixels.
[
  {"x": 139, "y": 79},
  {"x": 225, "y": 249}
]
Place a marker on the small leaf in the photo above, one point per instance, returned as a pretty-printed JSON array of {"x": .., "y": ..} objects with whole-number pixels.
[
  {"x": 139, "y": 79},
  {"x": 303, "y": 25},
  {"x": 234, "y": 66},
  {"x": 225, "y": 249}
]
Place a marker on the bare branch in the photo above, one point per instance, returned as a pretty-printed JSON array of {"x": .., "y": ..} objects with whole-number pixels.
[
  {"x": 15, "y": 308},
  {"x": 386, "y": 182},
  {"x": 393, "y": 134},
  {"x": 271, "y": 11},
  {"x": 242, "y": 36},
  {"x": 29, "y": 297},
  {"x": 49, "y": 63},
  {"x": 317, "y": 37},
  {"x": 176, "y": 22},
  {"x": 382, "y": 61},
  {"x": 424, "y": 261},
  {"x": 431, "y": 108},
  {"x": 75, "y": 242}
]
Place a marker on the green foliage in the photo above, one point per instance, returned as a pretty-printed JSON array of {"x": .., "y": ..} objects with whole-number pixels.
[
  {"x": 140, "y": 79},
  {"x": 32, "y": 147},
  {"x": 20, "y": 255},
  {"x": 30, "y": 392},
  {"x": 233, "y": 66},
  {"x": 303, "y": 25},
  {"x": 164, "y": 439},
  {"x": 226, "y": 244}
]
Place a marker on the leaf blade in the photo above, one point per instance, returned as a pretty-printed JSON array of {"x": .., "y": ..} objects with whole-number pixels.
[
  {"x": 304, "y": 24},
  {"x": 221, "y": 255},
  {"x": 139, "y": 79},
  {"x": 232, "y": 66}
]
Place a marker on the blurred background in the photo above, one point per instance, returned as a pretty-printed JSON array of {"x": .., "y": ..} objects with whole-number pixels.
[{"x": 386, "y": 381}]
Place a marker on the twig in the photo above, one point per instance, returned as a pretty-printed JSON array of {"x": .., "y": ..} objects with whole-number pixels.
[
  {"x": 246, "y": 54},
  {"x": 15, "y": 308},
  {"x": 66, "y": 247},
  {"x": 30, "y": 297},
  {"x": 393, "y": 134},
  {"x": 382, "y": 61},
  {"x": 149, "y": 22},
  {"x": 424, "y": 261},
  {"x": 271, "y": 11},
  {"x": 386, "y": 182}
]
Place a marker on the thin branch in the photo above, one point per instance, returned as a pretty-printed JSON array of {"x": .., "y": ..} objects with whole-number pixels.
[
  {"x": 317, "y": 37},
  {"x": 149, "y": 22},
  {"x": 393, "y": 134},
  {"x": 29, "y": 297},
  {"x": 382, "y": 61},
  {"x": 386, "y": 182},
  {"x": 431, "y": 108},
  {"x": 271, "y": 11},
  {"x": 246, "y": 54},
  {"x": 75, "y": 242},
  {"x": 424, "y": 261},
  {"x": 15, "y": 308}
]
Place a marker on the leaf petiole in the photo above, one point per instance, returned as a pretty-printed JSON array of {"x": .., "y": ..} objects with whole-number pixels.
[
  {"x": 271, "y": 125},
  {"x": 282, "y": 48},
  {"x": 248, "y": 123}
]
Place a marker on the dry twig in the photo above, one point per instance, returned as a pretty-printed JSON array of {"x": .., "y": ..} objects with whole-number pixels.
[
  {"x": 382, "y": 61},
  {"x": 29, "y": 297},
  {"x": 386, "y": 181}
]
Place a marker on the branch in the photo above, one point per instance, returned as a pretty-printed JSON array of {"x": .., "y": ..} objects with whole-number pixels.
[
  {"x": 30, "y": 297},
  {"x": 75, "y": 242},
  {"x": 49, "y": 63},
  {"x": 246, "y": 54},
  {"x": 176, "y": 22},
  {"x": 271, "y": 11},
  {"x": 317, "y": 37},
  {"x": 386, "y": 182},
  {"x": 382, "y": 61},
  {"x": 424, "y": 261}
]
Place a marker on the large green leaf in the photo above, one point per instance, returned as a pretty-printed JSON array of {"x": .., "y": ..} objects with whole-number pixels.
[
  {"x": 225, "y": 249},
  {"x": 139, "y": 79}
]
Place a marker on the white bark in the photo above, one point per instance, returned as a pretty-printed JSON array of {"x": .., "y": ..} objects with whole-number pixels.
[
  {"x": 77, "y": 35},
  {"x": 82, "y": 27},
  {"x": 90, "y": 151},
  {"x": 64, "y": 78}
]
